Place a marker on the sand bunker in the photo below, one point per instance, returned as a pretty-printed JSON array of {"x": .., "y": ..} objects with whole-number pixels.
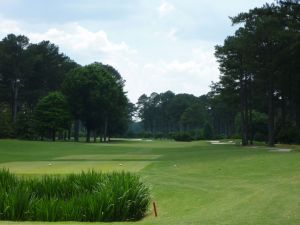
[
  {"x": 221, "y": 143},
  {"x": 280, "y": 150}
]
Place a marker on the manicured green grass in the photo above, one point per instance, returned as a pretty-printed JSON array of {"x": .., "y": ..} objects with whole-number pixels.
[{"x": 192, "y": 183}]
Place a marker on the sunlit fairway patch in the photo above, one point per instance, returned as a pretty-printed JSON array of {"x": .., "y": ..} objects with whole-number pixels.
[
  {"x": 64, "y": 167},
  {"x": 109, "y": 157}
]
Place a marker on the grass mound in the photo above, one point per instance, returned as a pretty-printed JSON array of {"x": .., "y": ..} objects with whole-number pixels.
[{"x": 89, "y": 196}]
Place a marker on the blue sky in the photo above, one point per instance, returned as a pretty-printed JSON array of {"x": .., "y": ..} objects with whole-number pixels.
[{"x": 156, "y": 45}]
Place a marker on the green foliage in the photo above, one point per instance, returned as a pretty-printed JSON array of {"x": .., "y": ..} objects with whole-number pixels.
[
  {"x": 29, "y": 71},
  {"x": 193, "y": 116},
  {"x": 287, "y": 134},
  {"x": 260, "y": 69},
  {"x": 87, "y": 196},
  {"x": 183, "y": 136},
  {"x": 260, "y": 125},
  {"x": 95, "y": 95},
  {"x": 167, "y": 112},
  {"x": 145, "y": 134},
  {"x": 24, "y": 127},
  {"x": 52, "y": 114},
  {"x": 159, "y": 135},
  {"x": 207, "y": 132},
  {"x": 46, "y": 68},
  {"x": 6, "y": 125},
  {"x": 260, "y": 137}
]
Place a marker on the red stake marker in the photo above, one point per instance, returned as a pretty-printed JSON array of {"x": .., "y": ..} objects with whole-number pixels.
[{"x": 154, "y": 208}]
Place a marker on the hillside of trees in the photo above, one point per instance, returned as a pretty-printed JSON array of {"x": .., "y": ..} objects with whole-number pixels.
[{"x": 46, "y": 95}]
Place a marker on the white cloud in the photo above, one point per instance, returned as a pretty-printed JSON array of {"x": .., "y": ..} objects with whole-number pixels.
[
  {"x": 181, "y": 73},
  {"x": 74, "y": 40},
  {"x": 84, "y": 46},
  {"x": 9, "y": 26},
  {"x": 78, "y": 41},
  {"x": 193, "y": 75},
  {"x": 165, "y": 8},
  {"x": 169, "y": 35},
  {"x": 172, "y": 34}
]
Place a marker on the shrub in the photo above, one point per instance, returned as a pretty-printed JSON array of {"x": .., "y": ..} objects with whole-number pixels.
[
  {"x": 207, "y": 131},
  {"x": 145, "y": 134},
  {"x": 6, "y": 124},
  {"x": 260, "y": 137},
  {"x": 220, "y": 137},
  {"x": 183, "y": 136},
  {"x": 24, "y": 127},
  {"x": 87, "y": 196},
  {"x": 287, "y": 134},
  {"x": 159, "y": 135},
  {"x": 52, "y": 114}
]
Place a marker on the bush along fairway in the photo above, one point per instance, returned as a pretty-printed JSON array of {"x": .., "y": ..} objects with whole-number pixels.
[{"x": 89, "y": 196}]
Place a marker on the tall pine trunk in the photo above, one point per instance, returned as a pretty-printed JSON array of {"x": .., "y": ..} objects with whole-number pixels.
[
  {"x": 105, "y": 129},
  {"x": 250, "y": 111},
  {"x": 95, "y": 136},
  {"x": 243, "y": 111},
  {"x": 53, "y": 135},
  {"x": 271, "y": 119},
  {"x": 76, "y": 130},
  {"x": 298, "y": 122},
  {"x": 15, "y": 101},
  {"x": 88, "y": 134},
  {"x": 69, "y": 134}
]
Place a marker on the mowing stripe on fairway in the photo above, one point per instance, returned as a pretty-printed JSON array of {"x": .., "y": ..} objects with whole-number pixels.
[{"x": 63, "y": 167}]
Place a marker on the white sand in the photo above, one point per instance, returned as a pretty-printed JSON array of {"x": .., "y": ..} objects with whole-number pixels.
[
  {"x": 221, "y": 143},
  {"x": 280, "y": 150}
]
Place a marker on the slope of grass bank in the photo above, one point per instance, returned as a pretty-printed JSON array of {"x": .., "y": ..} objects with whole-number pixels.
[{"x": 192, "y": 183}]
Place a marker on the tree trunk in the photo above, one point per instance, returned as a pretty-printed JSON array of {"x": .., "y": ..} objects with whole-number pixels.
[
  {"x": 298, "y": 121},
  {"x": 65, "y": 135},
  {"x": 53, "y": 135},
  {"x": 251, "y": 126},
  {"x": 101, "y": 134},
  {"x": 60, "y": 135},
  {"x": 105, "y": 129},
  {"x": 88, "y": 134},
  {"x": 76, "y": 130},
  {"x": 243, "y": 112},
  {"x": 250, "y": 111},
  {"x": 95, "y": 136},
  {"x": 14, "y": 87},
  {"x": 69, "y": 134},
  {"x": 246, "y": 113},
  {"x": 271, "y": 119}
]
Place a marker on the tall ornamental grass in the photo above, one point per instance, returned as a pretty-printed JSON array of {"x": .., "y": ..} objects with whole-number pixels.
[{"x": 89, "y": 196}]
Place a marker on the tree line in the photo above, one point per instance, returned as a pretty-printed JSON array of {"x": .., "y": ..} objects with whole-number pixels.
[
  {"x": 46, "y": 95},
  {"x": 257, "y": 97},
  {"x": 165, "y": 114},
  {"x": 260, "y": 68}
]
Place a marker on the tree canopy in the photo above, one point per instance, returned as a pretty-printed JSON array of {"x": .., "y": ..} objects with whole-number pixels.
[{"x": 30, "y": 106}]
